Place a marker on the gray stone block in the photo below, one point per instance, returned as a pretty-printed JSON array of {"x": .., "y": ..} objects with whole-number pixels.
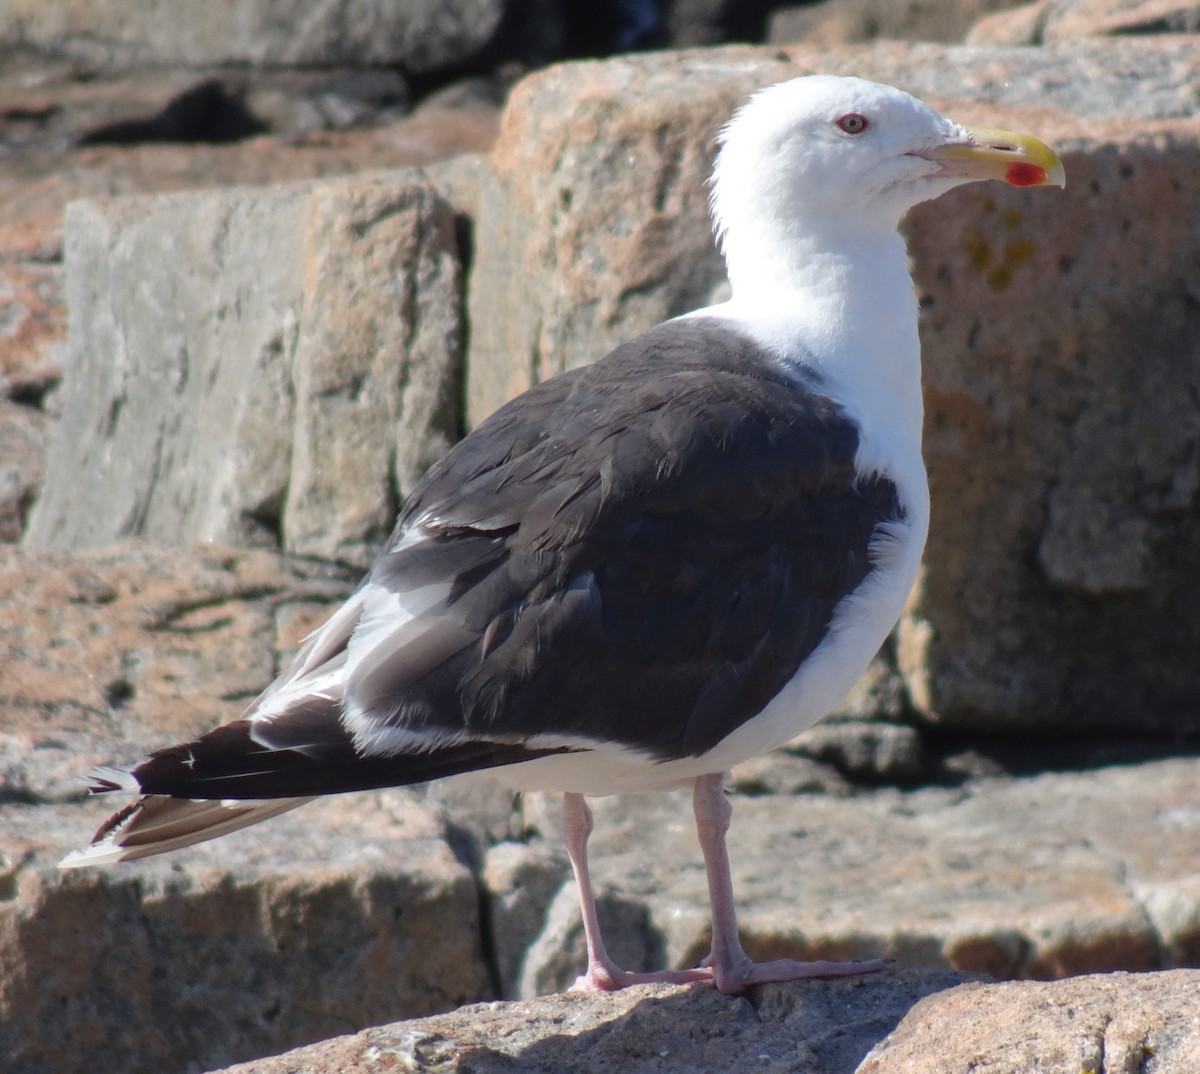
[
  {"x": 347, "y": 913},
  {"x": 420, "y": 35},
  {"x": 254, "y": 366}
]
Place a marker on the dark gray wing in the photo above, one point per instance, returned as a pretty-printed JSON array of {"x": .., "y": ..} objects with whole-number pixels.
[{"x": 641, "y": 551}]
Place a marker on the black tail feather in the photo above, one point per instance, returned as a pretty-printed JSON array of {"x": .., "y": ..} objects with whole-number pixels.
[{"x": 229, "y": 763}]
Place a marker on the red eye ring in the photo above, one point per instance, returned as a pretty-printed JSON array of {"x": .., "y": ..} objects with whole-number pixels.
[{"x": 853, "y": 123}]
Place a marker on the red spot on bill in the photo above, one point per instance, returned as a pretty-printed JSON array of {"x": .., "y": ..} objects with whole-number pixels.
[{"x": 1024, "y": 174}]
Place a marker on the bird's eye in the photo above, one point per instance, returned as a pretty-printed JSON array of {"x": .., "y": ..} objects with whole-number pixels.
[{"x": 853, "y": 123}]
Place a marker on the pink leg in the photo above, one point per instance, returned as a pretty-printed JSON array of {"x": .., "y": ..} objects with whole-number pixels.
[
  {"x": 603, "y": 975},
  {"x": 732, "y": 970}
]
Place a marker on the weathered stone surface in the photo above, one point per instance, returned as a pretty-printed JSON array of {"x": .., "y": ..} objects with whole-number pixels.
[
  {"x": 873, "y": 750},
  {"x": 558, "y": 954},
  {"x": 1031, "y": 877},
  {"x": 843, "y": 22},
  {"x": 820, "y": 1027},
  {"x": 419, "y": 35},
  {"x": 51, "y": 108},
  {"x": 1037, "y": 877},
  {"x": 37, "y": 183},
  {"x": 1062, "y": 20},
  {"x": 110, "y": 653},
  {"x": 289, "y": 351},
  {"x": 43, "y": 171},
  {"x": 1060, "y": 584},
  {"x": 596, "y": 224},
  {"x": 345, "y": 914},
  {"x": 33, "y": 313},
  {"x": 1058, "y": 874},
  {"x": 521, "y": 882},
  {"x": 1142, "y": 78},
  {"x": 377, "y": 361},
  {"x": 1019, "y": 26},
  {"x": 1077, "y": 18},
  {"x": 1062, "y": 474},
  {"x": 1115, "y": 1023},
  {"x": 22, "y": 461},
  {"x": 116, "y": 652},
  {"x": 787, "y": 772}
]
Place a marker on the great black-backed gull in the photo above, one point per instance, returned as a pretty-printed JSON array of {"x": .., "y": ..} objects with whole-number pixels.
[{"x": 647, "y": 570}]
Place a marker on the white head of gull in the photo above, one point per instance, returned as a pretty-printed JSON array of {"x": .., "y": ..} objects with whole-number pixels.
[{"x": 649, "y": 569}]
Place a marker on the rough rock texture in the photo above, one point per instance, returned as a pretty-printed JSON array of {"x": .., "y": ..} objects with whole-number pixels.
[
  {"x": 37, "y": 181},
  {"x": 344, "y": 915},
  {"x": 1017, "y": 26},
  {"x": 576, "y": 250},
  {"x": 294, "y": 351},
  {"x": 321, "y": 921},
  {"x": 1059, "y": 874},
  {"x": 1105, "y": 1025},
  {"x": 1037, "y": 877},
  {"x": 110, "y": 653},
  {"x": 48, "y": 110},
  {"x": 23, "y": 437},
  {"x": 1140, "y": 78},
  {"x": 1064, "y": 475},
  {"x": 1063, "y": 450},
  {"x": 522, "y": 882},
  {"x": 33, "y": 313},
  {"x": 1061, "y": 20},
  {"x": 1111, "y": 1024},
  {"x": 596, "y": 225},
  {"x": 1077, "y": 18},
  {"x": 420, "y": 35},
  {"x": 842, "y": 22}
]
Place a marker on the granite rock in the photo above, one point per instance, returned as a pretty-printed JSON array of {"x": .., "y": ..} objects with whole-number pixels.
[
  {"x": 282, "y": 375},
  {"x": 596, "y": 223},
  {"x": 1042, "y": 876},
  {"x": 113, "y": 652},
  {"x": 844, "y": 22},
  {"x": 46, "y": 108},
  {"x": 420, "y": 35},
  {"x": 1016, "y": 26},
  {"x": 1058, "y": 590},
  {"x": 521, "y": 882},
  {"x": 1050, "y": 493},
  {"x": 1058, "y": 598},
  {"x": 1062, "y": 20},
  {"x": 1067, "y": 19},
  {"x": 349, "y": 913},
  {"x": 885, "y": 1024},
  {"x": 33, "y": 313},
  {"x": 1115, "y": 1022},
  {"x": 23, "y": 435}
]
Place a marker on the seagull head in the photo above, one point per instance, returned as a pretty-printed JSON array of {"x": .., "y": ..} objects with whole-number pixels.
[{"x": 821, "y": 151}]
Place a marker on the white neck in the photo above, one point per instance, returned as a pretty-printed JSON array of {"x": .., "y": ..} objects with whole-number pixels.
[{"x": 843, "y": 305}]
